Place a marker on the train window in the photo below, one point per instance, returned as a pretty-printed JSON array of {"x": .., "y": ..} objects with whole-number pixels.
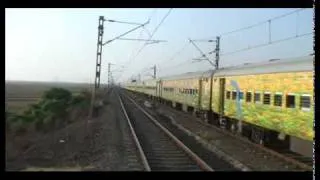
[
  {"x": 257, "y": 97},
  {"x": 241, "y": 95},
  {"x": 277, "y": 100},
  {"x": 305, "y": 102},
  {"x": 228, "y": 95},
  {"x": 234, "y": 95},
  {"x": 248, "y": 97},
  {"x": 290, "y": 101},
  {"x": 266, "y": 98},
  {"x": 196, "y": 91}
]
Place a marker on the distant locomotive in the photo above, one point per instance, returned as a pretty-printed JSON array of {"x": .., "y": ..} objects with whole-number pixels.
[{"x": 275, "y": 98}]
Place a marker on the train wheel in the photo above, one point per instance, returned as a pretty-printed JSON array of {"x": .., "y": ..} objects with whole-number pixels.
[{"x": 222, "y": 123}]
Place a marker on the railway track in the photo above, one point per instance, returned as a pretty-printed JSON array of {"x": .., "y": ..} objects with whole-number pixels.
[
  {"x": 287, "y": 158},
  {"x": 159, "y": 149}
]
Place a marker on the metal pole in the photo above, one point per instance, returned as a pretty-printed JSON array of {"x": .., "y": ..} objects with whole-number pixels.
[
  {"x": 99, "y": 51},
  {"x": 109, "y": 67},
  {"x": 98, "y": 63},
  {"x": 217, "y": 52},
  {"x": 269, "y": 23},
  {"x": 155, "y": 72}
]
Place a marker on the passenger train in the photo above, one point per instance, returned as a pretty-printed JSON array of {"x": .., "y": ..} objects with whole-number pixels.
[{"x": 272, "y": 102}]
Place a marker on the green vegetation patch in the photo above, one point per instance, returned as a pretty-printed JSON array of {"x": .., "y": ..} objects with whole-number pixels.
[{"x": 54, "y": 106}]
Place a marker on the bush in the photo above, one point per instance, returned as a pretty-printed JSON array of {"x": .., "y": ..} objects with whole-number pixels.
[
  {"x": 58, "y": 94},
  {"x": 54, "y": 106},
  {"x": 82, "y": 100}
]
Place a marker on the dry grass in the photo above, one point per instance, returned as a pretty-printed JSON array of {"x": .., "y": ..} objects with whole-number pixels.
[
  {"x": 35, "y": 89},
  {"x": 19, "y": 95},
  {"x": 18, "y": 106}
]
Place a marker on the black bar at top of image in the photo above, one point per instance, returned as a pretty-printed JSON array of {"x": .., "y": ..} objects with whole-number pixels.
[{"x": 164, "y": 4}]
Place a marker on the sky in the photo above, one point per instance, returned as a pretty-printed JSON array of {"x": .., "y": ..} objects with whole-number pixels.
[{"x": 61, "y": 44}]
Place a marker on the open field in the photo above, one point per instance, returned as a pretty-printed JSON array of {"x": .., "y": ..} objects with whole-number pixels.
[
  {"x": 20, "y": 94},
  {"x": 18, "y": 106},
  {"x": 24, "y": 89}
]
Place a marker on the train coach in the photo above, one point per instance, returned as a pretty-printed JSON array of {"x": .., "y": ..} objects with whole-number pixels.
[{"x": 273, "y": 100}]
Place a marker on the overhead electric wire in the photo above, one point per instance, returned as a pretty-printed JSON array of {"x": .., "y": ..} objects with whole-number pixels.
[
  {"x": 262, "y": 22},
  {"x": 123, "y": 22},
  {"x": 266, "y": 44},
  {"x": 144, "y": 29},
  {"x": 256, "y": 46},
  {"x": 125, "y": 33},
  {"x": 270, "y": 41},
  {"x": 152, "y": 34},
  {"x": 259, "y": 23},
  {"x": 154, "y": 31},
  {"x": 238, "y": 30},
  {"x": 176, "y": 53}
]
